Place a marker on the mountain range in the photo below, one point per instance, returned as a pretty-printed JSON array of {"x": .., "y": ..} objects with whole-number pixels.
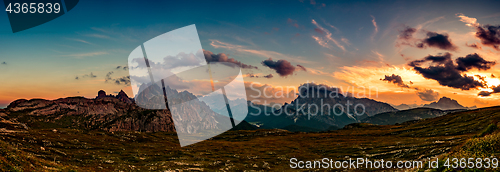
[
  {"x": 444, "y": 103},
  {"x": 313, "y": 110}
]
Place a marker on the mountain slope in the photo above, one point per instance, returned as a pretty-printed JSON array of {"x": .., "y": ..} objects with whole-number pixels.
[
  {"x": 390, "y": 118},
  {"x": 110, "y": 113},
  {"x": 318, "y": 108}
]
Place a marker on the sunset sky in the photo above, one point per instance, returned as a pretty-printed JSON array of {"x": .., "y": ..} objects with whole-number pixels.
[{"x": 283, "y": 43}]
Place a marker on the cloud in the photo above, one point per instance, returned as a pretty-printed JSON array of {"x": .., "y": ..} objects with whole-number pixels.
[
  {"x": 306, "y": 88},
  {"x": 428, "y": 95},
  {"x": 313, "y": 2},
  {"x": 374, "y": 25},
  {"x": 300, "y": 67},
  {"x": 432, "y": 39},
  {"x": 261, "y": 93},
  {"x": 124, "y": 67},
  {"x": 123, "y": 80},
  {"x": 98, "y": 36},
  {"x": 91, "y": 75},
  {"x": 282, "y": 67},
  {"x": 346, "y": 41},
  {"x": 474, "y": 45},
  {"x": 473, "y": 61},
  {"x": 447, "y": 73},
  {"x": 257, "y": 76},
  {"x": 327, "y": 37},
  {"x": 221, "y": 57},
  {"x": 472, "y": 22},
  {"x": 496, "y": 89},
  {"x": 81, "y": 55},
  {"x": 292, "y": 22},
  {"x": 489, "y": 35},
  {"x": 396, "y": 79},
  {"x": 252, "y": 75},
  {"x": 319, "y": 31},
  {"x": 268, "y": 76},
  {"x": 407, "y": 33},
  {"x": 262, "y": 53},
  {"x": 437, "y": 40},
  {"x": 4, "y": 63},
  {"x": 108, "y": 76}
]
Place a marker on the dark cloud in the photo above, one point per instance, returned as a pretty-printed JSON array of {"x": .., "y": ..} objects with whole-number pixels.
[
  {"x": 396, "y": 79},
  {"x": 123, "y": 80},
  {"x": 428, "y": 95},
  {"x": 489, "y": 35},
  {"x": 488, "y": 93},
  {"x": 120, "y": 67},
  {"x": 268, "y": 76},
  {"x": 433, "y": 39},
  {"x": 257, "y": 76},
  {"x": 292, "y": 22},
  {"x": 282, "y": 67},
  {"x": 447, "y": 73},
  {"x": 221, "y": 57},
  {"x": 473, "y": 61},
  {"x": 76, "y": 78},
  {"x": 407, "y": 33},
  {"x": 252, "y": 75},
  {"x": 4, "y": 63},
  {"x": 437, "y": 40}
]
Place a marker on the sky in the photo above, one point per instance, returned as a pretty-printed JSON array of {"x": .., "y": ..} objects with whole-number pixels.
[{"x": 411, "y": 52}]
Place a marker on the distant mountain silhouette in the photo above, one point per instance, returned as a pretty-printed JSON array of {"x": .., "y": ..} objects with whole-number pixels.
[
  {"x": 391, "y": 118},
  {"x": 109, "y": 113},
  {"x": 445, "y": 103}
]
